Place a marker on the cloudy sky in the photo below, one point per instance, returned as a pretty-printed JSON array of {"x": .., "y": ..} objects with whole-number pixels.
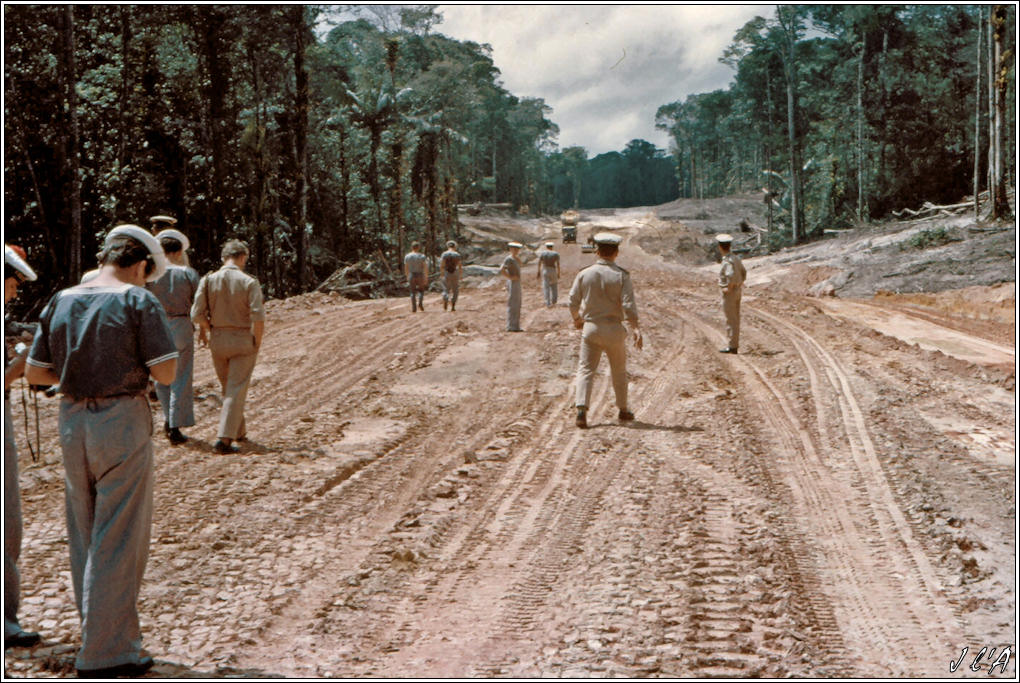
[{"x": 604, "y": 69}]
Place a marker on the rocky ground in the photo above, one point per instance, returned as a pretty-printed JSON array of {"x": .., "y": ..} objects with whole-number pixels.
[{"x": 837, "y": 500}]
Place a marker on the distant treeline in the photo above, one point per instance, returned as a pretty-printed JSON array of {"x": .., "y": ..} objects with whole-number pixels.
[
  {"x": 848, "y": 112},
  {"x": 318, "y": 134}
]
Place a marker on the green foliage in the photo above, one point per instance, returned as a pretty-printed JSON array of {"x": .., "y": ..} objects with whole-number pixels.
[{"x": 928, "y": 238}]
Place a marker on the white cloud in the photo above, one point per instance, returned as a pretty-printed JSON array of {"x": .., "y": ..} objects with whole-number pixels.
[{"x": 604, "y": 69}]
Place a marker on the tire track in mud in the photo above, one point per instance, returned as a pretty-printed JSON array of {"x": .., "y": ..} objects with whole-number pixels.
[{"x": 868, "y": 600}]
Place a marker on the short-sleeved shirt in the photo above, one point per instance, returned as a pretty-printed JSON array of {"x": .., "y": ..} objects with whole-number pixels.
[
  {"x": 549, "y": 260},
  {"x": 450, "y": 260},
  {"x": 513, "y": 268},
  {"x": 228, "y": 298},
  {"x": 101, "y": 341},
  {"x": 605, "y": 293},
  {"x": 176, "y": 290},
  {"x": 415, "y": 263}
]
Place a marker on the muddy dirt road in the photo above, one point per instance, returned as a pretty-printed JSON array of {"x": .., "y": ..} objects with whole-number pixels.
[{"x": 416, "y": 501}]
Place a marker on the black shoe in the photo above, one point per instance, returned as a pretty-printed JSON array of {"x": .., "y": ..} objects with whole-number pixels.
[
  {"x": 132, "y": 669},
  {"x": 225, "y": 448},
  {"x": 22, "y": 639},
  {"x": 445, "y": 302},
  {"x": 453, "y": 307},
  {"x": 582, "y": 419},
  {"x": 728, "y": 350},
  {"x": 626, "y": 416},
  {"x": 175, "y": 436},
  {"x": 166, "y": 427}
]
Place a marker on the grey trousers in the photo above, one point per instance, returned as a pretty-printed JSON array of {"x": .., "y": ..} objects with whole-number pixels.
[
  {"x": 12, "y": 527},
  {"x": 108, "y": 481},
  {"x": 451, "y": 287},
  {"x": 233, "y": 357},
  {"x": 596, "y": 338},
  {"x": 550, "y": 290},
  {"x": 513, "y": 305},
  {"x": 731, "y": 308},
  {"x": 177, "y": 399},
  {"x": 417, "y": 283}
]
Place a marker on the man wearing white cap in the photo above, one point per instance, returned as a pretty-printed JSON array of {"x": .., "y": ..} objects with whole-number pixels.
[
  {"x": 100, "y": 341},
  {"x": 731, "y": 281},
  {"x": 511, "y": 270},
  {"x": 452, "y": 267},
  {"x": 176, "y": 291},
  {"x": 229, "y": 312},
  {"x": 549, "y": 274},
  {"x": 16, "y": 271},
  {"x": 601, "y": 298}
]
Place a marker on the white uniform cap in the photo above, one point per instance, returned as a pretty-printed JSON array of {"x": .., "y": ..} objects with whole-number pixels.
[
  {"x": 176, "y": 235},
  {"x": 607, "y": 238},
  {"x": 550, "y": 245},
  {"x": 150, "y": 242},
  {"x": 516, "y": 245},
  {"x": 724, "y": 238},
  {"x": 163, "y": 219},
  {"x": 14, "y": 260}
]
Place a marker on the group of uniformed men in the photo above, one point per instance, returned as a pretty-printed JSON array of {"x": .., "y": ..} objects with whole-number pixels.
[{"x": 99, "y": 342}]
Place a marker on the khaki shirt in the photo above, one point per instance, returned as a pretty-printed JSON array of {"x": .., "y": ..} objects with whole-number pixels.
[
  {"x": 604, "y": 293},
  {"x": 732, "y": 273},
  {"x": 228, "y": 298}
]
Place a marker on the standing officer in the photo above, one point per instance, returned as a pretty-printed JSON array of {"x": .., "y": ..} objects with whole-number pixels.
[
  {"x": 601, "y": 297},
  {"x": 16, "y": 271},
  {"x": 549, "y": 274},
  {"x": 731, "y": 281},
  {"x": 416, "y": 268},
  {"x": 511, "y": 270},
  {"x": 176, "y": 291},
  {"x": 229, "y": 302},
  {"x": 452, "y": 267},
  {"x": 100, "y": 342}
]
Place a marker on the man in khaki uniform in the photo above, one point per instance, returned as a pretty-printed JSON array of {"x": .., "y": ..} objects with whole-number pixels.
[
  {"x": 731, "y": 281},
  {"x": 229, "y": 302},
  {"x": 601, "y": 297},
  {"x": 549, "y": 274}
]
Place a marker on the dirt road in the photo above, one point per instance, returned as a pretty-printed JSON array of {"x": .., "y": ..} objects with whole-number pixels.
[{"x": 416, "y": 501}]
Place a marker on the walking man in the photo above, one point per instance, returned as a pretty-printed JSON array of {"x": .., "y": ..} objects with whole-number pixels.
[
  {"x": 16, "y": 271},
  {"x": 511, "y": 270},
  {"x": 731, "y": 282},
  {"x": 601, "y": 298},
  {"x": 452, "y": 268},
  {"x": 176, "y": 291},
  {"x": 416, "y": 268},
  {"x": 549, "y": 274},
  {"x": 100, "y": 342},
  {"x": 229, "y": 303}
]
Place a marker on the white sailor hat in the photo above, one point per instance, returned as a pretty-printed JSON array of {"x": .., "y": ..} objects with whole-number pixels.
[
  {"x": 515, "y": 245},
  {"x": 163, "y": 219},
  {"x": 13, "y": 259},
  {"x": 150, "y": 243},
  {"x": 175, "y": 235},
  {"x": 451, "y": 244},
  {"x": 607, "y": 238},
  {"x": 724, "y": 238},
  {"x": 550, "y": 245}
]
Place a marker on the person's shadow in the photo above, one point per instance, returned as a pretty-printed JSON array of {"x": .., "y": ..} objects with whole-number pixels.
[{"x": 648, "y": 426}]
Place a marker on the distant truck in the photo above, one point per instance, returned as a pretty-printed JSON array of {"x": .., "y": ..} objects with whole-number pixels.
[
  {"x": 589, "y": 246},
  {"x": 569, "y": 218}
]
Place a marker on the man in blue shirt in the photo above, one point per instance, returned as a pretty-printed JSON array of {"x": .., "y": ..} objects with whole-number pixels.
[{"x": 100, "y": 342}]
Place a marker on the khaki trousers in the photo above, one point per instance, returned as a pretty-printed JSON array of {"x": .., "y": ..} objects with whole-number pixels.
[
  {"x": 233, "y": 357},
  {"x": 731, "y": 308},
  {"x": 598, "y": 338}
]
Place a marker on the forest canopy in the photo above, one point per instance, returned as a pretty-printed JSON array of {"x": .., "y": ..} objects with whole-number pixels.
[{"x": 322, "y": 135}]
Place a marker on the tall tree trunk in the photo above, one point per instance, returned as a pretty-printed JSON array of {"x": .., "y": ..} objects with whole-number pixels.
[
  {"x": 795, "y": 208},
  {"x": 990, "y": 61},
  {"x": 1000, "y": 207},
  {"x": 70, "y": 78},
  {"x": 860, "y": 131},
  {"x": 298, "y": 25},
  {"x": 345, "y": 183},
  {"x": 211, "y": 39},
  {"x": 977, "y": 119},
  {"x": 122, "y": 109}
]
